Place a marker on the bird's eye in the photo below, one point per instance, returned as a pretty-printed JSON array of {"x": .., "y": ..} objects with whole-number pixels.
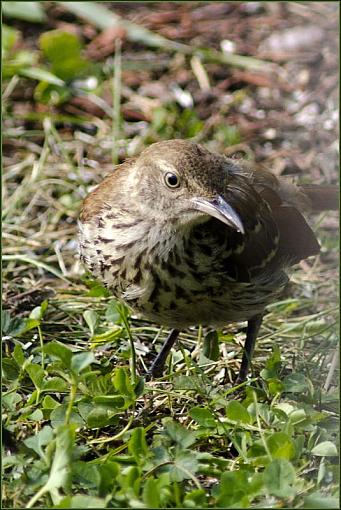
[{"x": 172, "y": 180}]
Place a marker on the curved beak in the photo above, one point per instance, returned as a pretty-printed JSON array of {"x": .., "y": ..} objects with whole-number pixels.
[{"x": 220, "y": 209}]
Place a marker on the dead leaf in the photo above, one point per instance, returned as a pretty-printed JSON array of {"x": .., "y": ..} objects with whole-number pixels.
[{"x": 104, "y": 44}]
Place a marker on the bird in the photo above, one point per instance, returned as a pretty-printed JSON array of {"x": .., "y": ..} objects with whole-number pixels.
[{"x": 186, "y": 237}]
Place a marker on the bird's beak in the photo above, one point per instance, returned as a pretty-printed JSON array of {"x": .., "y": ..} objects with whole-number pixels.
[{"x": 220, "y": 209}]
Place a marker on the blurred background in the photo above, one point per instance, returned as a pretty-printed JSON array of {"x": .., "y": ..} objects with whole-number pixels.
[
  {"x": 85, "y": 86},
  {"x": 250, "y": 79},
  {"x": 88, "y": 84}
]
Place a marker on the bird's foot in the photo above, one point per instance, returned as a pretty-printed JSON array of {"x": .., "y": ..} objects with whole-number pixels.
[{"x": 155, "y": 372}]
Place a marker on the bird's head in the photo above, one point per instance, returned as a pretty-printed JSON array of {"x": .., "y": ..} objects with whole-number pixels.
[{"x": 184, "y": 183}]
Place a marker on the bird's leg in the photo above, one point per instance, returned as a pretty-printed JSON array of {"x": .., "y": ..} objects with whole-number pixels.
[
  {"x": 158, "y": 365},
  {"x": 253, "y": 326}
]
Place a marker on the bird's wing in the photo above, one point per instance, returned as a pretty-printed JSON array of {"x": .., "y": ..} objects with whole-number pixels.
[
  {"x": 287, "y": 201},
  {"x": 277, "y": 235}
]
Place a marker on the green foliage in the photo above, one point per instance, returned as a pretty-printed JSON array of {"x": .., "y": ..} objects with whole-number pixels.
[
  {"x": 227, "y": 135},
  {"x": 10, "y": 37},
  {"x": 235, "y": 411},
  {"x": 325, "y": 449},
  {"x": 23, "y": 62},
  {"x": 280, "y": 478},
  {"x": 237, "y": 489},
  {"x": 211, "y": 346},
  {"x": 202, "y": 416},
  {"x": 95, "y": 288},
  {"x": 16, "y": 326},
  {"x": 63, "y": 51},
  {"x": 254, "y": 447},
  {"x": 173, "y": 122}
]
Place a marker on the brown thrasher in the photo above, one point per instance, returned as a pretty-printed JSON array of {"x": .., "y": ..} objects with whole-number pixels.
[{"x": 186, "y": 237}]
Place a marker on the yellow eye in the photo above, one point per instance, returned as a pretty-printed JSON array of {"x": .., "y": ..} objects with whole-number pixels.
[{"x": 172, "y": 180}]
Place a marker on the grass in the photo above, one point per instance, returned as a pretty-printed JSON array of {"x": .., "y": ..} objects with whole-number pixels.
[{"x": 90, "y": 432}]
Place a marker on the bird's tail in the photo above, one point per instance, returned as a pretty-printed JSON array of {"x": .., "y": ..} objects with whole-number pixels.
[
  {"x": 297, "y": 240},
  {"x": 322, "y": 198}
]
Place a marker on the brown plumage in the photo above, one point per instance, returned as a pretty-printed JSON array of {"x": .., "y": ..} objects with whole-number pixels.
[{"x": 185, "y": 236}]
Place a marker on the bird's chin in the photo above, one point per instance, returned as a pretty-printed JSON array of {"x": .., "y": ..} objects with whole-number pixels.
[{"x": 192, "y": 217}]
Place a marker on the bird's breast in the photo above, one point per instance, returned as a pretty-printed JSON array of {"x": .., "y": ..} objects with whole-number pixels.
[
  {"x": 198, "y": 281},
  {"x": 176, "y": 280}
]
